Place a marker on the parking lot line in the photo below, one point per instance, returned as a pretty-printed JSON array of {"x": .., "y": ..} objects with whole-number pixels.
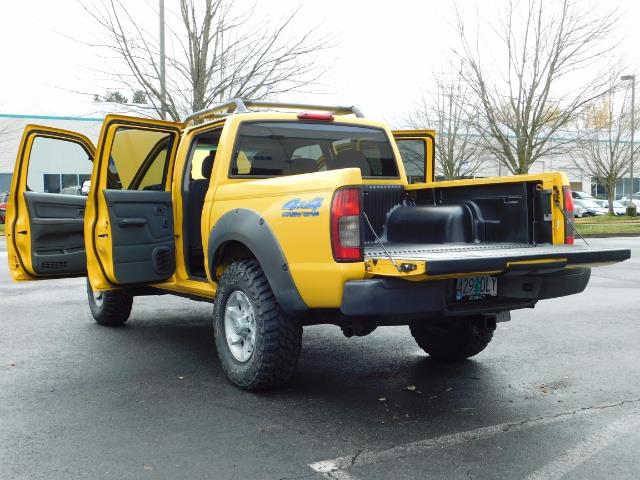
[
  {"x": 340, "y": 475},
  {"x": 586, "y": 449},
  {"x": 330, "y": 468}
]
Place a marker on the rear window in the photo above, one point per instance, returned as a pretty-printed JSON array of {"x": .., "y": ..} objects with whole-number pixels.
[{"x": 273, "y": 149}]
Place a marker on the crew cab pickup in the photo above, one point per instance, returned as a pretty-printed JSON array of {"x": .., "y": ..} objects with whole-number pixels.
[{"x": 287, "y": 215}]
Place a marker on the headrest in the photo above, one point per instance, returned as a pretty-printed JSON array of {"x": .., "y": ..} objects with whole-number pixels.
[
  {"x": 303, "y": 165},
  {"x": 269, "y": 162},
  {"x": 207, "y": 164},
  {"x": 352, "y": 159}
]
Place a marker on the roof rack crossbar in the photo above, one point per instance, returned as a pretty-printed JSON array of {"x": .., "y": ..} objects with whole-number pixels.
[
  {"x": 221, "y": 109},
  {"x": 239, "y": 105}
]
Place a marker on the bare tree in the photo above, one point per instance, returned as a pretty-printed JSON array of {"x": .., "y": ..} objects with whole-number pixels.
[
  {"x": 603, "y": 147},
  {"x": 458, "y": 149},
  {"x": 216, "y": 54},
  {"x": 537, "y": 75}
]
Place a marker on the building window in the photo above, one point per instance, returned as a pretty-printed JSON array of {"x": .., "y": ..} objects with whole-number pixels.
[
  {"x": 51, "y": 182},
  {"x": 69, "y": 183},
  {"x": 597, "y": 189}
]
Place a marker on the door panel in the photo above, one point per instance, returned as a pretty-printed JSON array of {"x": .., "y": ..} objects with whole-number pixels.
[
  {"x": 45, "y": 214},
  {"x": 57, "y": 233},
  {"x": 131, "y": 236},
  {"x": 142, "y": 235}
]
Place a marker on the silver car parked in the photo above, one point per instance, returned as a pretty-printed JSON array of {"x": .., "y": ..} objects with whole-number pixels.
[
  {"x": 591, "y": 208},
  {"x": 618, "y": 208}
]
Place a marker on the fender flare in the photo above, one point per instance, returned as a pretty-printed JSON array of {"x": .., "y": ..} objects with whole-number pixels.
[{"x": 247, "y": 227}]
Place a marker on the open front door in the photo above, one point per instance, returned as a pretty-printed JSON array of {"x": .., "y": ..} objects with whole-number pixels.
[
  {"x": 45, "y": 214},
  {"x": 417, "y": 149},
  {"x": 130, "y": 229}
]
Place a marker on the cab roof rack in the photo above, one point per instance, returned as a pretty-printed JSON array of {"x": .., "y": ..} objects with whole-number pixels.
[{"x": 239, "y": 105}]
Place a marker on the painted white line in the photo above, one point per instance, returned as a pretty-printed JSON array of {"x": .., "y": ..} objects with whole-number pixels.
[
  {"x": 339, "y": 475},
  {"x": 416, "y": 448},
  {"x": 586, "y": 449}
]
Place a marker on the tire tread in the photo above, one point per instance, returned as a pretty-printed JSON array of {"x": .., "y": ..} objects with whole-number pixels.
[
  {"x": 279, "y": 350},
  {"x": 115, "y": 309},
  {"x": 454, "y": 339}
]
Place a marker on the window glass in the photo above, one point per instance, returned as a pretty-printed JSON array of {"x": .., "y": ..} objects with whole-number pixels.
[
  {"x": 271, "y": 149},
  {"x": 153, "y": 179},
  {"x": 69, "y": 180},
  {"x": 199, "y": 154},
  {"x": 138, "y": 159},
  {"x": 203, "y": 146},
  {"x": 308, "y": 151},
  {"x": 55, "y": 166},
  {"x": 413, "y": 153}
]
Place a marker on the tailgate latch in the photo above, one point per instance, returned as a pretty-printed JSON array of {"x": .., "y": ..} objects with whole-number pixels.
[{"x": 407, "y": 267}]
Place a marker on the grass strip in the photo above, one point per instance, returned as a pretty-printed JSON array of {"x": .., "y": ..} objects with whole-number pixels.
[
  {"x": 608, "y": 228},
  {"x": 608, "y": 219}
]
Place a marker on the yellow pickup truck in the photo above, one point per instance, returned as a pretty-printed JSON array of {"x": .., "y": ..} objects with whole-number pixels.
[{"x": 287, "y": 215}]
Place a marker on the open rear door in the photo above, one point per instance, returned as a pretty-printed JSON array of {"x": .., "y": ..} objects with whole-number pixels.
[
  {"x": 417, "y": 149},
  {"x": 130, "y": 232},
  {"x": 45, "y": 214}
]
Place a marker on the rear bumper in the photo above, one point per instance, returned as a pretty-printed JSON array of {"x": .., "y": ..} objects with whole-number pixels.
[{"x": 390, "y": 296}]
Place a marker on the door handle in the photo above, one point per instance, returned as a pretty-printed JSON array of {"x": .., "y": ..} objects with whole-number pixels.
[{"x": 132, "y": 222}]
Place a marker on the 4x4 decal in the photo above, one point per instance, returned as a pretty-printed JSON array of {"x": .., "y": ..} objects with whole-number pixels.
[{"x": 302, "y": 208}]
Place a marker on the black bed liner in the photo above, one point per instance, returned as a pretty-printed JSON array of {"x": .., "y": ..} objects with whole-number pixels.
[{"x": 446, "y": 259}]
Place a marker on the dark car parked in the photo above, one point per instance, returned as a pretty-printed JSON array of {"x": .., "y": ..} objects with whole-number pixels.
[{"x": 4, "y": 198}]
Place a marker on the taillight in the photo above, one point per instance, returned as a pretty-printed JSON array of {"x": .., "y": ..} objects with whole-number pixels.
[
  {"x": 327, "y": 117},
  {"x": 569, "y": 235},
  {"x": 345, "y": 225}
]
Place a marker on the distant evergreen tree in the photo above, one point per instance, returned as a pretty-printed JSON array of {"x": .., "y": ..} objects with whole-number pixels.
[
  {"x": 139, "y": 97},
  {"x": 115, "y": 97}
]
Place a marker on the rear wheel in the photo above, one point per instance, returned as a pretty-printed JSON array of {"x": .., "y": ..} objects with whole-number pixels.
[
  {"x": 110, "y": 308},
  {"x": 258, "y": 345},
  {"x": 452, "y": 339}
]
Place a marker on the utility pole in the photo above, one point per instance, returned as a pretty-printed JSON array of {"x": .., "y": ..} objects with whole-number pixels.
[
  {"x": 163, "y": 84},
  {"x": 631, "y": 207}
]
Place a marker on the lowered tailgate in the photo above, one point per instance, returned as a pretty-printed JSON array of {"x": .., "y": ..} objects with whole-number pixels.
[{"x": 407, "y": 260}]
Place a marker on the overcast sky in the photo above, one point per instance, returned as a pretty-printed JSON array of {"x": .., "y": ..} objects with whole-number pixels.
[{"x": 385, "y": 52}]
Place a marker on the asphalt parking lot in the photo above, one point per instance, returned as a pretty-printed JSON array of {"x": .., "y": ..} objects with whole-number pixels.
[{"x": 556, "y": 395}]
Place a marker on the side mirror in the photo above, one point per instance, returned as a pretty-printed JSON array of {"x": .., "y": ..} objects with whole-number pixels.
[{"x": 86, "y": 186}]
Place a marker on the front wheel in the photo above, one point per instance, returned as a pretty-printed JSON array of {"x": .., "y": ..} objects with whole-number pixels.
[
  {"x": 110, "y": 308},
  {"x": 451, "y": 339},
  {"x": 258, "y": 345}
]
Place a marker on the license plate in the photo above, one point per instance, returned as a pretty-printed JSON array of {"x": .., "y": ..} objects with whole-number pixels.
[{"x": 476, "y": 288}]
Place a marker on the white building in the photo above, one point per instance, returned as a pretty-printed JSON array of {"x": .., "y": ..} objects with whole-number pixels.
[
  {"x": 580, "y": 180},
  {"x": 51, "y": 177}
]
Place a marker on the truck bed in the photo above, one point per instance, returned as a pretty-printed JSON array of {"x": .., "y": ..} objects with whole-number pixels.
[{"x": 456, "y": 258}]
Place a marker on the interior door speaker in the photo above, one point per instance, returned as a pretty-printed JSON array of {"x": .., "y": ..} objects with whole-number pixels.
[{"x": 163, "y": 260}]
